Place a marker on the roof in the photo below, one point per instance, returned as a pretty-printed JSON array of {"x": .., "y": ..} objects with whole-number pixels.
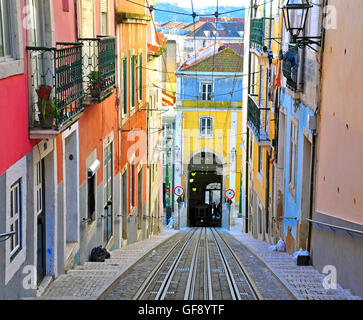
[
  {"x": 219, "y": 29},
  {"x": 194, "y": 26},
  {"x": 226, "y": 19},
  {"x": 159, "y": 38},
  {"x": 236, "y": 47},
  {"x": 224, "y": 61}
]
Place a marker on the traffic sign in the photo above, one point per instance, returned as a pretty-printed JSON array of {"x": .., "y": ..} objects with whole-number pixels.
[
  {"x": 179, "y": 191},
  {"x": 230, "y": 194}
]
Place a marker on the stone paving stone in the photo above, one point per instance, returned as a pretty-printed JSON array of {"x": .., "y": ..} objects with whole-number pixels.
[
  {"x": 304, "y": 281},
  {"x": 92, "y": 279}
]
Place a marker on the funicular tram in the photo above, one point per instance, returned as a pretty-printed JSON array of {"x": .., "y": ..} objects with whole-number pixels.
[{"x": 209, "y": 213}]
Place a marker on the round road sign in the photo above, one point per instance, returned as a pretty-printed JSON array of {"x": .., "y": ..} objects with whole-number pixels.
[
  {"x": 229, "y": 194},
  {"x": 178, "y": 191}
]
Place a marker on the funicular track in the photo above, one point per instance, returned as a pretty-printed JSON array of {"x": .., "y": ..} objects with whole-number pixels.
[{"x": 200, "y": 266}]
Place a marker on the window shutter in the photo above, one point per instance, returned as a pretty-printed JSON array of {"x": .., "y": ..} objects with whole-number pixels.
[
  {"x": 132, "y": 87},
  {"x": 87, "y": 21},
  {"x": 140, "y": 76},
  {"x": 103, "y": 6},
  {"x": 124, "y": 67}
]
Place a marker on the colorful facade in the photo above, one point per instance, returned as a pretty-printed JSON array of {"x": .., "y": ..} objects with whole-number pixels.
[
  {"x": 76, "y": 82},
  {"x": 339, "y": 150},
  {"x": 207, "y": 125}
]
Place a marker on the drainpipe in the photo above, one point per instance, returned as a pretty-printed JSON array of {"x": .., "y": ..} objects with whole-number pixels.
[
  {"x": 76, "y": 18},
  {"x": 313, "y": 188}
]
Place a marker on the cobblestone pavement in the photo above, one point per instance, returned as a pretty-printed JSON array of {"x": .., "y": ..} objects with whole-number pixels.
[
  {"x": 305, "y": 282},
  {"x": 91, "y": 280},
  {"x": 269, "y": 286}
]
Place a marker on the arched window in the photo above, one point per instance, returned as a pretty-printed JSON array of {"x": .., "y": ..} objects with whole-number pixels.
[{"x": 206, "y": 127}]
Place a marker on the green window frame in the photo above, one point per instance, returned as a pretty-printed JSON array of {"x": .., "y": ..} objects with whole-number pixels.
[
  {"x": 140, "y": 76},
  {"x": 132, "y": 84}
]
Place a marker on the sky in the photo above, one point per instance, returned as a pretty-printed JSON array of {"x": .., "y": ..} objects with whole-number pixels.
[{"x": 206, "y": 3}]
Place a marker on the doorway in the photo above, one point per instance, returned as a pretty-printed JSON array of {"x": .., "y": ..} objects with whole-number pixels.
[
  {"x": 205, "y": 186},
  {"x": 40, "y": 214},
  {"x": 108, "y": 194}
]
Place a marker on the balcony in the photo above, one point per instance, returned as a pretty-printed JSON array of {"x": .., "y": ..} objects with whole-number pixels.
[
  {"x": 55, "y": 88},
  {"x": 257, "y": 36},
  {"x": 254, "y": 115},
  {"x": 99, "y": 68}
]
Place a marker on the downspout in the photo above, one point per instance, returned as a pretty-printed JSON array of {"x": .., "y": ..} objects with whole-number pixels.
[
  {"x": 315, "y": 138},
  {"x": 76, "y": 19}
]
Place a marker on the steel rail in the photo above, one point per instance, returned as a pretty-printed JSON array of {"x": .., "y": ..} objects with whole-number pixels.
[
  {"x": 169, "y": 276},
  {"x": 208, "y": 294},
  {"x": 189, "y": 289},
  {"x": 143, "y": 289},
  {"x": 251, "y": 283},
  {"x": 228, "y": 272}
]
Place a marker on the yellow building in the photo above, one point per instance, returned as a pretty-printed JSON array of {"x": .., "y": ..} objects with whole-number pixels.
[
  {"x": 208, "y": 134},
  {"x": 263, "y": 31}
]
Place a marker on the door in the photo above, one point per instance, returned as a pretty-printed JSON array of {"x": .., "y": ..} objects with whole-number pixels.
[
  {"x": 124, "y": 206},
  {"x": 108, "y": 194},
  {"x": 40, "y": 214},
  {"x": 139, "y": 199}
]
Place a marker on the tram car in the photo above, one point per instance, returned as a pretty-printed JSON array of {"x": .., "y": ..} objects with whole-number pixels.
[{"x": 201, "y": 215}]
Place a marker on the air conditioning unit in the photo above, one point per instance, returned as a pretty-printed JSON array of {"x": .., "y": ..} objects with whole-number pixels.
[{"x": 311, "y": 123}]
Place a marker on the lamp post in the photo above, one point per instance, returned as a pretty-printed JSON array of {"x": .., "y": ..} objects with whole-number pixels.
[{"x": 295, "y": 13}]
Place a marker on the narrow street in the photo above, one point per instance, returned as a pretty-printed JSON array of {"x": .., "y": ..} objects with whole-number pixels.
[
  {"x": 195, "y": 264},
  {"x": 163, "y": 150}
]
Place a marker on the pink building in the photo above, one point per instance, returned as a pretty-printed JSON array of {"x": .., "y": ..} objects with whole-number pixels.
[
  {"x": 59, "y": 128},
  {"x": 338, "y": 220}
]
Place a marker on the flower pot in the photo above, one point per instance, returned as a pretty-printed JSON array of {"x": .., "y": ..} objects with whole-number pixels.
[
  {"x": 94, "y": 93},
  {"x": 46, "y": 120},
  {"x": 44, "y": 92}
]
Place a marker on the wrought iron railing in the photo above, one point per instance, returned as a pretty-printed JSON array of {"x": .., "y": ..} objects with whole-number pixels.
[
  {"x": 255, "y": 119},
  {"x": 55, "y": 85},
  {"x": 99, "y": 67},
  {"x": 290, "y": 67},
  {"x": 257, "y": 37},
  {"x": 253, "y": 115}
]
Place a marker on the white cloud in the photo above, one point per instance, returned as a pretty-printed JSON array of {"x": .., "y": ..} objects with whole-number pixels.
[{"x": 207, "y": 3}]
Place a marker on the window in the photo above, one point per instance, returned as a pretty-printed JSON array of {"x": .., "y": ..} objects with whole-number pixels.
[
  {"x": 206, "y": 90},
  {"x": 5, "y": 44},
  {"x": 206, "y": 127},
  {"x": 132, "y": 186},
  {"x": 15, "y": 219},
  {"x": 260, "y": 160},
  {"x": 251, "y": 146},
  {"x": 91, "y": 197},
  {"x": 124, "y": 205},
  {"x": 124, "y": 86},
  {"x": 104, "y": 18},
  {"x": 132, "y": 80},
  {"x": 11, "y": 42},
  {"x": 293, "y": 157},
  {"x": 140, "y": 76}
]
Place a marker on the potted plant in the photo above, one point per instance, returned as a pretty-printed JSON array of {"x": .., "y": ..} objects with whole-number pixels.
[
  {"x": 44, "y": 92},
  {"x": 49, "y": 111},
  {"x": 94, "y": 83}
]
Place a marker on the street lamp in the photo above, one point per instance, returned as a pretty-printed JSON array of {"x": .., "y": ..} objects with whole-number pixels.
[{"x": 295, "y": 13}]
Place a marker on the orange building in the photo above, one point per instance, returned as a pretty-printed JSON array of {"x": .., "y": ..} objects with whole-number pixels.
[{"x": 132, "y": 20}]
